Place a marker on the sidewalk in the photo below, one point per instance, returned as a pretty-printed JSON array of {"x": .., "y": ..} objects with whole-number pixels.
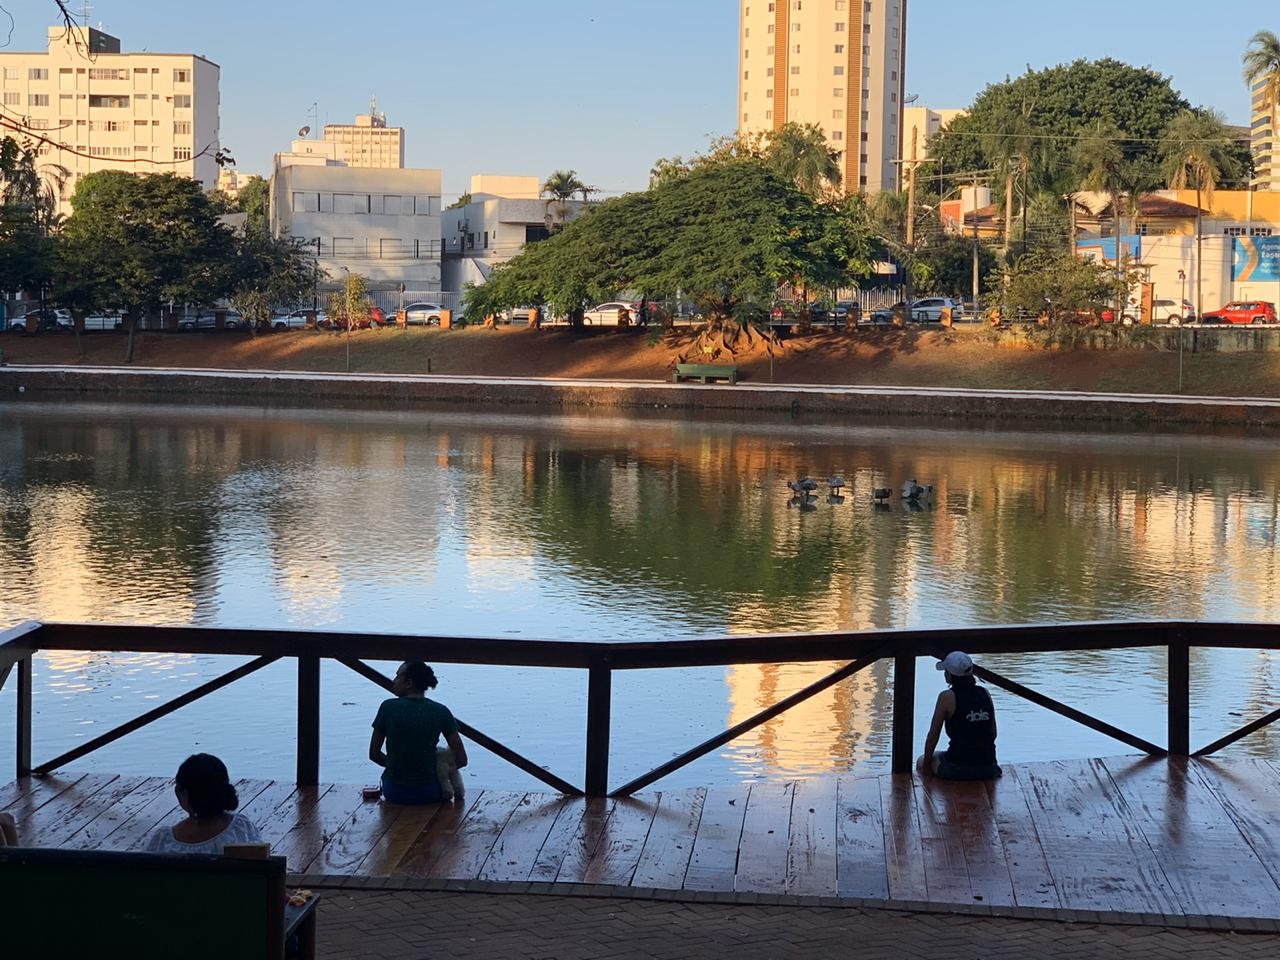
[{"x": 407, "y": 925}]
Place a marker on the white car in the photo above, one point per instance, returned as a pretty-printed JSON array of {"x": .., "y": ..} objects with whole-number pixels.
[
  {"x": 423, "y": 314},
  {"x": 296, "y": 320},
  {"x": 608, "y": 314},
  {"x": 48, "y": 319},
  {"x": 929, "y": 309},
  {"x": 1168, "y": 311}
]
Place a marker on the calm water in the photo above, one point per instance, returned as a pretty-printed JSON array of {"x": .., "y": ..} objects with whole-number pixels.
[{"x": 599, "y": 527}]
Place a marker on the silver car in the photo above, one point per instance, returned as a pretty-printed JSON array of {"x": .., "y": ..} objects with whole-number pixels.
[{"x": 929, "y": 309}]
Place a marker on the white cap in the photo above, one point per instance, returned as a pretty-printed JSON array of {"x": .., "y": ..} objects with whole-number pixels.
[{"x": 957, "y": 664}]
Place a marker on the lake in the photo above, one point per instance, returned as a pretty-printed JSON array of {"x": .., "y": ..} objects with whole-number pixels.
[{"x": 601, "y": 526}]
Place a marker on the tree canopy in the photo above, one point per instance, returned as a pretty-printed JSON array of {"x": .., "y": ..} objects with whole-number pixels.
[{"x": 724, "y": 234}]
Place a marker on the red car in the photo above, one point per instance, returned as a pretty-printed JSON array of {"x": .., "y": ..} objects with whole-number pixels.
[{"x": 1242, "y": 311}]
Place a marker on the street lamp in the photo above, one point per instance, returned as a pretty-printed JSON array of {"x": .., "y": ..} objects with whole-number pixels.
[{"x": 1182, "y": 314}]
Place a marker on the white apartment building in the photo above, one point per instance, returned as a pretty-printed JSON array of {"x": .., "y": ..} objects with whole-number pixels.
[
  {"x": 505, "y": 213},
  {"x": 383, "y": 224},
  {"x": 834, "y": 63},
  {"x": 95, "y": 108},
  {"x": 368, "y": 142},
  {"x": 1265, "y": 142}
]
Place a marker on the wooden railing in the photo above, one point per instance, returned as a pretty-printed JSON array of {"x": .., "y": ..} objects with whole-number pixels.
[{"x": 601, "y": 659}]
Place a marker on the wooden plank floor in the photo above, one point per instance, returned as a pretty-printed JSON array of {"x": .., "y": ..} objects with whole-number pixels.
[{"x": 1127, "y": 835}]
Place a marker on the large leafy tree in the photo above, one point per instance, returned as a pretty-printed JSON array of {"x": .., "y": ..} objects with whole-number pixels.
[
  {"x": 135, "y": 243},
  {"x": 1199, "y": 154},
  {"x": 1262, "y": 66},
  {"x": 1060, "y": 104},
  {"x": 269, "y": 273},
  {"x": 724, "y": 234},
  {"x": 26, "y": 220},
  {"x": 796, "y": 152}
]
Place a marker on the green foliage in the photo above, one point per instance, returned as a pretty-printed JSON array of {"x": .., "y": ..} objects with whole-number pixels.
[
  {"x": 1261, "y": 64},
  {"x": 462, "y": 201},
  {"x": 26, "y": 216},
  {"x": 253, "y": 200},
  {"x": 1042, "y": 114},
  {"x": 351, "y": 305},
  {"x": 1071, "y": 289},
  {"x": 1199, "y": 153},
  {"x": 723, "y": 233},
  {"x": 269, "y": 273},
  {"x": 796, "y": 152},
  {"x": 137, "y": 242},
  {"x": 948, "y": 263}
]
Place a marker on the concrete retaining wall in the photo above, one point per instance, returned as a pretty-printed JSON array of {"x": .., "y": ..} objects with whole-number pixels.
[{"x": 46, "y": 384}]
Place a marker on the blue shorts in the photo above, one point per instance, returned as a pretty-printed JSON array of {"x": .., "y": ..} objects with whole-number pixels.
[
  {"x": 410, "y": 796},
  {"x": 963, "y": 771}
]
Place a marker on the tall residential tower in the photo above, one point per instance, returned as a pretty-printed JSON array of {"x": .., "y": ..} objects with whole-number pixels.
[
  {"x": 1265, "y": 142},
  {"x": 837, "y": 64}
]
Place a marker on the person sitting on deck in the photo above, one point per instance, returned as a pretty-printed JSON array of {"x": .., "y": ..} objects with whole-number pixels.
[
  {"x": 207, "y": 795},
  {"x": 8, "y": 830},
  {"x": 970, "y": 718},
  {"x": 409, "y": 725}
]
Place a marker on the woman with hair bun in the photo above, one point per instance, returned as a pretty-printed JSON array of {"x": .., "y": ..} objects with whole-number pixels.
[
  {"x": 205, "y": 792},
  {"x": 409, "y": 726}
]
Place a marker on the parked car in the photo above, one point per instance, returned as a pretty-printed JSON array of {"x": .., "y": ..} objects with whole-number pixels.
[
  {"x": 296, "y": 320},
  {"x": 1242, "y": 311},
  {"x": 609, "y": 314},
  {"x": 103, "y": 320},
  {"x": 423, "y": 314},
  {"x": 929, "y": 309},
  {"x": 47, "y": 319},
  {"x": 1172, "y": 312},
  {"x": 207, "y": 321}
]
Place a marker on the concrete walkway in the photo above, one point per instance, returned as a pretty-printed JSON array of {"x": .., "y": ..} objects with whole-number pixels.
[{"x": 406, "y": 925}]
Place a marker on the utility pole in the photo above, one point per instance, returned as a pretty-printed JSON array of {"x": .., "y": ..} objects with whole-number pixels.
[
  {"x": 974, "y": 202},
  {"x": 911, "y": 218}
]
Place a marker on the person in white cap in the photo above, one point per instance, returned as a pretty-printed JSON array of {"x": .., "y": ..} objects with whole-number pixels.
[{"x": 968, "y": 714}]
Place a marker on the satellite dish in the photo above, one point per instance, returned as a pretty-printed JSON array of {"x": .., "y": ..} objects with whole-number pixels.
[{"x": 304, "y": 131}]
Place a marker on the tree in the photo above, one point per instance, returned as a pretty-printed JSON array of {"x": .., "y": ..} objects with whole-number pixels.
[
  {"x": 948, "y": 261},
  {"x": 269, "y": 273},
  {"x": 352, "y": 304},
  {"x": 561, "y": 186},
  {"x": 1262, "y": 67},
  {"x": 1062, "y": 284},
  {"x": 462, "y": 201},
  {"x": 26, "y": 220},
  {"x": 135, "y": 243},
  {"x": 253, "y": 201},
  {"x": 726, "y": 234},
  {"x": 1199, "y": 155},
  {"x": 800, "y": 153}
]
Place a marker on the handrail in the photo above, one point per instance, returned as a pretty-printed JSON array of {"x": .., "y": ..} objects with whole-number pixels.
[{"x": 600, "y": 659}]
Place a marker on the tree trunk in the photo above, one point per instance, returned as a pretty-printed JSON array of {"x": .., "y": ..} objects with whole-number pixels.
[
  {"x": 1008, "y": 211},
  {"x": 1199, "y": 261},
  {"x": 130, "y": 322}
]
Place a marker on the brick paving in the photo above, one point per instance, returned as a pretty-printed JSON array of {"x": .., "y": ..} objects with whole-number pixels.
[{"x": 407, "y": 924}]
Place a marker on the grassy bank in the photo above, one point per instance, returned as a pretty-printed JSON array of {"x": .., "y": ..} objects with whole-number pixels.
[{"x": 966, "y": 358}]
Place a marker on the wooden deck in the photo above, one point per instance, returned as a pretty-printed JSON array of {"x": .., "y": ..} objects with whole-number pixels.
[{"x": 1125, "y": 835}]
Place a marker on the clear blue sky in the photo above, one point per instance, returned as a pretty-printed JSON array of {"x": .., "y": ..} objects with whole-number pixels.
[{"x": 509, "y": 86}]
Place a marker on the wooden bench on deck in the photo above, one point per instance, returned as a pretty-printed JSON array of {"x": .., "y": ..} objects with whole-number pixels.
[
  {"x": 76, "y": 903},
  {"x": 705, "y": 372}
]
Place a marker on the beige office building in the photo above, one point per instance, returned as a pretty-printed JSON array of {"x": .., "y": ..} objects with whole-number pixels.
[
  {"x": 834, "y": 63},
  {"x": 368, "y": 142},
  {"x": 1265, "y": 142},
  {"x": 92, "y": 107}
]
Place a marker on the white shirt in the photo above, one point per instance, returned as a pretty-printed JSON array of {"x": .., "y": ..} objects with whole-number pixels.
[{"x": 239, "y": 830}]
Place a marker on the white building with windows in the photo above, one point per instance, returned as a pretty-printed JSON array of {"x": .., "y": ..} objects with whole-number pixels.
[
  {"x": 837, "y": 64},
  {"x": 91, "y": 107},
  {"x": 383, "y": 224},
  {"x": 368, "y": 142}
]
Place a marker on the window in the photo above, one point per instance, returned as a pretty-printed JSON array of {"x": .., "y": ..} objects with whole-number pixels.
[
  {"x": 37, "y": 100},
  {"x": 837, "y": 134},
  {"x": 839, "y": 71},
  {"x": 182, "y": 100},
  {"x": 182, "y": 153},
  {"x": 109, "y": 102},
  {"x": 839, "y": 4},
  {"x": 768, "y": 71},
  {"x": 744, "y": 118},
  {"x": 12, "y": 73},
  {"x": 306, "y": 203},
  {"x": 839, "y": 48},
  {"x": 12, "y": 98},
  {"x": 839, "y": 28},
  {"x": 795, "y": 71},
  {"x": 795, "y": 91},
  {"x": 181, "y": 127},
  {"x": 746, "y": 74},
  {"x": 768, "y": 114},
  {"x": 1259, "y": 231},
  {"x": 107, "y": 73},
  {"x": 38, "y": 73},
  {"x": 795, "y": 28},
  {"x": 838, "y": 92},
  {"x": 837, "y": 114},
  {"x": 182, "y": 76}
]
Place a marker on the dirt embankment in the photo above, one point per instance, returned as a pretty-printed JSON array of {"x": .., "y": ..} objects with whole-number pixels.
[{"x": 964, "y": 358}]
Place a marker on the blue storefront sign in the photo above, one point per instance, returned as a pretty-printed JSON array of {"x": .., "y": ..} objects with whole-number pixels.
[{"x": 1256, "y": 260}]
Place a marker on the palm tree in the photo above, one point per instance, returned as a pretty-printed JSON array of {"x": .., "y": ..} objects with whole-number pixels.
[
  {"x": 561, "y": 186},
  {"x": 800, "y": 153},
  {"x": 1198, "y": 151},
  {"x": 1015, "y": 146},
  {"x": 1262, "y": 68},
  {"x": 1100, "y": 164}
]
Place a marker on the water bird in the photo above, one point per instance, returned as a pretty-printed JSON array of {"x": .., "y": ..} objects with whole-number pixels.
[
  {"x": 803, "y": 485},
  {"x": 881, "y": 494},
  {"x": 836, "y": 483},
  {"x": 913, "y": 491}
]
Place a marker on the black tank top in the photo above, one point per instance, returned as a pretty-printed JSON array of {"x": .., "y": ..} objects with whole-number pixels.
[{"x": 971, "y": 730}]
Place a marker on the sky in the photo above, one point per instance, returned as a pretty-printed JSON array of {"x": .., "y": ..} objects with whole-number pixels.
[{"x": 605, "y": 88}]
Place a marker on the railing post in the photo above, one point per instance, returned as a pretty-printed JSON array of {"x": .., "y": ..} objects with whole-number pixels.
[
  {"x": 599, "y": 700},
  {"x": 23, "y": 726},
  {"x": 904, "y": 712},
  {"x": 308, "y": 720},
  {"x": 1179, "y": 678}
]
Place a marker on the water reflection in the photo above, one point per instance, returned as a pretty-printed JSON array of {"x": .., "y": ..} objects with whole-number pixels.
[{"x": 600, "y": 527}]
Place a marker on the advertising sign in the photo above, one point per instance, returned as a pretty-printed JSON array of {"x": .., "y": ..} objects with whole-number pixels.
[
  {"x": 1104, "y": 248},
  {"x": 1256, "y": 260}
]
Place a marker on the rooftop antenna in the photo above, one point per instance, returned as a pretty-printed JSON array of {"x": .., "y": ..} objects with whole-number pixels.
[
  {"x": 303, "y": 131},
  {"x": 85, "y": 11},
  {"x": 910, "y": 98}
]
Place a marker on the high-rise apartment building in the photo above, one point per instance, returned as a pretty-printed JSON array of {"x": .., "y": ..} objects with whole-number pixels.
[
  {"x": 368, "y": 142},
  {"x": 1265, "y": 142},
  {"x": 837, "y": 64},
  {"x": 90, "y": 107}
]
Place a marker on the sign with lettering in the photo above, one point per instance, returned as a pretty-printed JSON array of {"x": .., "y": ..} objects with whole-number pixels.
[{"x": 1256, "y": 260}]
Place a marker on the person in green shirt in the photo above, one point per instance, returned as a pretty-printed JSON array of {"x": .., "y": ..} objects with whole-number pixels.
[{"x": 409, "y": 726}]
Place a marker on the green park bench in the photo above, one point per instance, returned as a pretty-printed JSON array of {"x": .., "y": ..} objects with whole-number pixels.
[
  {"x": 705, "y": 372},
  {"x": 76, "y": 903}
]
